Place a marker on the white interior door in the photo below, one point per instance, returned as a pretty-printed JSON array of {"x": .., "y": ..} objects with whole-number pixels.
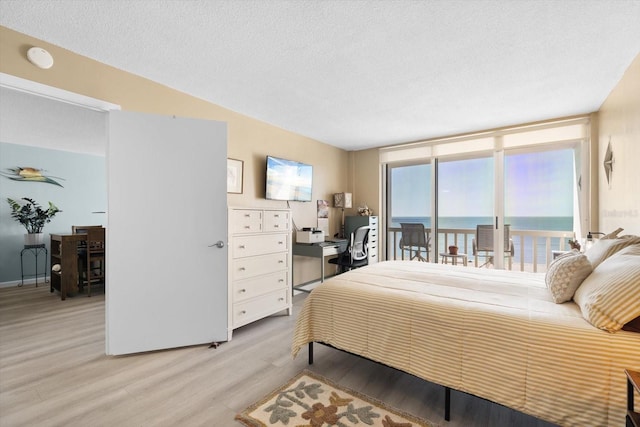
[{"x": 166, "y": 279}]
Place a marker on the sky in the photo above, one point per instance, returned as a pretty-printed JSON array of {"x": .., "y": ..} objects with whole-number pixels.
[{"x": 537, "y": 184}]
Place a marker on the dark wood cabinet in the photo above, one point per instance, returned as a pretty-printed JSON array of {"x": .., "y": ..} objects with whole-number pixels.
[{"x": 64, "y": 252}]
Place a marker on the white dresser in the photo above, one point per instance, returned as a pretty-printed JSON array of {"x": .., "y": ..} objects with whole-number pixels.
[{"x": 259, "y": 264}]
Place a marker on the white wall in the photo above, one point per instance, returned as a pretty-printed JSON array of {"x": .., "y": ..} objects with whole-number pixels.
[
  {"x": 69, "y": 143},
  {"x": 619, "y": 122}
]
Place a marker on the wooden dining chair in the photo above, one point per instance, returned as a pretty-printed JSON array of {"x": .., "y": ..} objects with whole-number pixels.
[{"x": 95, "y": 258}]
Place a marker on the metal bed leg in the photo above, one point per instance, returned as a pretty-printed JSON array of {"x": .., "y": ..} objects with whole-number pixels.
[
  {"x": 447, "y": 404},
  {"x": 311, "y": 353}
]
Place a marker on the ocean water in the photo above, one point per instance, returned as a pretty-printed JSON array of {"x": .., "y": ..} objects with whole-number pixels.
[{"x": 516, "y": 223}]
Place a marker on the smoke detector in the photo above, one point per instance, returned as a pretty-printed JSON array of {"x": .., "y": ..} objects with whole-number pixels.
[{"x": 40, "y": 58}]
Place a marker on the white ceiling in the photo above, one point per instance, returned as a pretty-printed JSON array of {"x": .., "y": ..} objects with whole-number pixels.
[{"x": 358, "y": 74}]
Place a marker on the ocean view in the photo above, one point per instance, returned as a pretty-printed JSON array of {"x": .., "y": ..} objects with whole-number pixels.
[
  {"x": 552, "y": 223},
  {"x": 556, "y": 223}
]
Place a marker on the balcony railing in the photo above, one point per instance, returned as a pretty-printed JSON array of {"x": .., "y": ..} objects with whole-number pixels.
[{"x": 533, "y": 249}]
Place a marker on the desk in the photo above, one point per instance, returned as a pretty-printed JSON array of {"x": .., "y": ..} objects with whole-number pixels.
[
  {"x": 321, "y": 251},
  {"x": 454, "y": 258}
]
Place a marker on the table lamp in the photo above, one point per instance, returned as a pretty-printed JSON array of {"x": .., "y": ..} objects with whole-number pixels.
[{"x": 342, "y": 200}]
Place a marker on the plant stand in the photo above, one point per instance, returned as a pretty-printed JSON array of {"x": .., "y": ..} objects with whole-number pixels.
[{"x": 35, "y": 250}]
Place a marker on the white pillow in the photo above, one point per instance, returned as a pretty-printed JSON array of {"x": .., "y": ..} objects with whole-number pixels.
[
  {"x": 610, "y": 296},
  {"x": 604, "y": 248},
  {"x": 565, "y": 274}
]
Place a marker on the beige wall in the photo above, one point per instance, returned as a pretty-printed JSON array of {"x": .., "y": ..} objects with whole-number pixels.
[
  {"x": 249, "y": 140},
  {"x": 619, "y": 122}
]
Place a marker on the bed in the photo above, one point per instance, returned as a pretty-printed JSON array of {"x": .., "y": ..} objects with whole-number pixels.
[{"x": 496, "y": 334}]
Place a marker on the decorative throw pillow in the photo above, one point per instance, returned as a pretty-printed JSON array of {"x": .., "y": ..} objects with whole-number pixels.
[
  {"x": 610, "y": 297},
  {"x": 604, "y": 248},
  {"x": 565, "y": 274}
]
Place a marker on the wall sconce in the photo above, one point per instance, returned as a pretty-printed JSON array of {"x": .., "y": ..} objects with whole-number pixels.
[
  {"x": 342, "y": 200},
  {"x": 589, "y": 241}
]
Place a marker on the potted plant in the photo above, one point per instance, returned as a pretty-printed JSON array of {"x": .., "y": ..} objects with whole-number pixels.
[{"x": 33, "y": 217}]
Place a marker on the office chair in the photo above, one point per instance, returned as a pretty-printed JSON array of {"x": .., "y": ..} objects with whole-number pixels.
[
  {"x": 415, "y": 241},
  {"x": 357, "y": 253},
  {"x": 483, "y": 242}
]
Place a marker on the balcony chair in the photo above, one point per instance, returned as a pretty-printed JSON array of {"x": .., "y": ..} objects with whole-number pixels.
[
  {"x": 482, "y": 245},
  {"x": 414, "y": 240},
  {"x": 357, "y": 253}
]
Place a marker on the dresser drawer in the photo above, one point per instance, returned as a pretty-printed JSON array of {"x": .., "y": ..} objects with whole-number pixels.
[
  {"x": 259, "y": 307},
  {"x": 246, "y": 221},
  {"x": 244, "y": 246},
  {"x": 276, "y": 221},
  {"x": 249, "y": 288},
  {"x": 243, "y": 268}
]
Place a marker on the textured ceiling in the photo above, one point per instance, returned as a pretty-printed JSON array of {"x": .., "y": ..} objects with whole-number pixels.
[{"x": 358, "y": 74}]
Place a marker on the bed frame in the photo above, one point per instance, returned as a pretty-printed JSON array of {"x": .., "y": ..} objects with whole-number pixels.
[{"x": 447, "y": 390}]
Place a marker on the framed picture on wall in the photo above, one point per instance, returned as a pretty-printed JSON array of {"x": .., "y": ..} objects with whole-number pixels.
[{"x": 234, "y": 175}]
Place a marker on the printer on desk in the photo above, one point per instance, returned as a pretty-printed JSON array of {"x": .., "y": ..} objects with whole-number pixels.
[{"x": 309, "y": 235}]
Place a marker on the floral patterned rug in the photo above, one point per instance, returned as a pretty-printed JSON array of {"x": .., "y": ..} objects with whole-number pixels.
[{"x": 309, "y": 400}]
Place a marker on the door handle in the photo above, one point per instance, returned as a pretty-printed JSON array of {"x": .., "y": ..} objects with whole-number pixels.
[{"x": 218, "y": 244}]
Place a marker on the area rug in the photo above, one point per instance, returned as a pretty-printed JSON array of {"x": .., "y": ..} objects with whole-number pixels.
[{"x": 310, "y": 400}]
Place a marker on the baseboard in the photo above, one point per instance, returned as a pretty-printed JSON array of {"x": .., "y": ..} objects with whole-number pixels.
[{"x": 31, "y": 281}]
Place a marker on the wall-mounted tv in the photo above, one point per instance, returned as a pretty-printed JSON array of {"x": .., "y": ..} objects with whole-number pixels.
[{"x": 288, "y": 180}]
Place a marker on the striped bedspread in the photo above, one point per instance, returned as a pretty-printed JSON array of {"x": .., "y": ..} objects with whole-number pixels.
[{"x": 492, "y": 333}]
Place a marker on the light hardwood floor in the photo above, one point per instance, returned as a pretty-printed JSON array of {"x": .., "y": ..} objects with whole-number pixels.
[{"x": 53, "y": 372}]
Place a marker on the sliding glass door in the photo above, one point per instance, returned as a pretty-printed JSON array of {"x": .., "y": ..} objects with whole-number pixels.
[
  {"x": 528, "y": 188},
  {"x": 539, "y": 203},
  {"x": 408, "y": 201},
  {"x": 465, "y": 200}
]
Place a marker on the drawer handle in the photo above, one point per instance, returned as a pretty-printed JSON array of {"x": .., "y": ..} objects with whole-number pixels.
[
  {"x": 243, "y": 312},
  {"x": 281, "y": 242},
  {"x": 241, "y": 246},
  {"x": 242, "y": 269},
  {"x": 247, "y": 215},
  {"x": 280, "y": 261},
  {"x": 243, "y": 291},
  {"x": 275, "y": 226},
  {"x": 247, "y": 227},
  {"x": 280, "y": 299},
  {"x": 281, "y": 280},
  {"x": 277, "y": 215}
]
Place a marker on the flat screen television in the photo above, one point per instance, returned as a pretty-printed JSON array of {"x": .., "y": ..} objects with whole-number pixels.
[{"x": 288, "y": 180}]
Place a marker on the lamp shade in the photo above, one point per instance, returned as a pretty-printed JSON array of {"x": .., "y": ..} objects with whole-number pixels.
[{"x": 342, "y": 200}]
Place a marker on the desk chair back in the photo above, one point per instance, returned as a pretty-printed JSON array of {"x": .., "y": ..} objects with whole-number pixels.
[
  {"x": 357, "y": 252},
  {"x": 358, "y": 243}
]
